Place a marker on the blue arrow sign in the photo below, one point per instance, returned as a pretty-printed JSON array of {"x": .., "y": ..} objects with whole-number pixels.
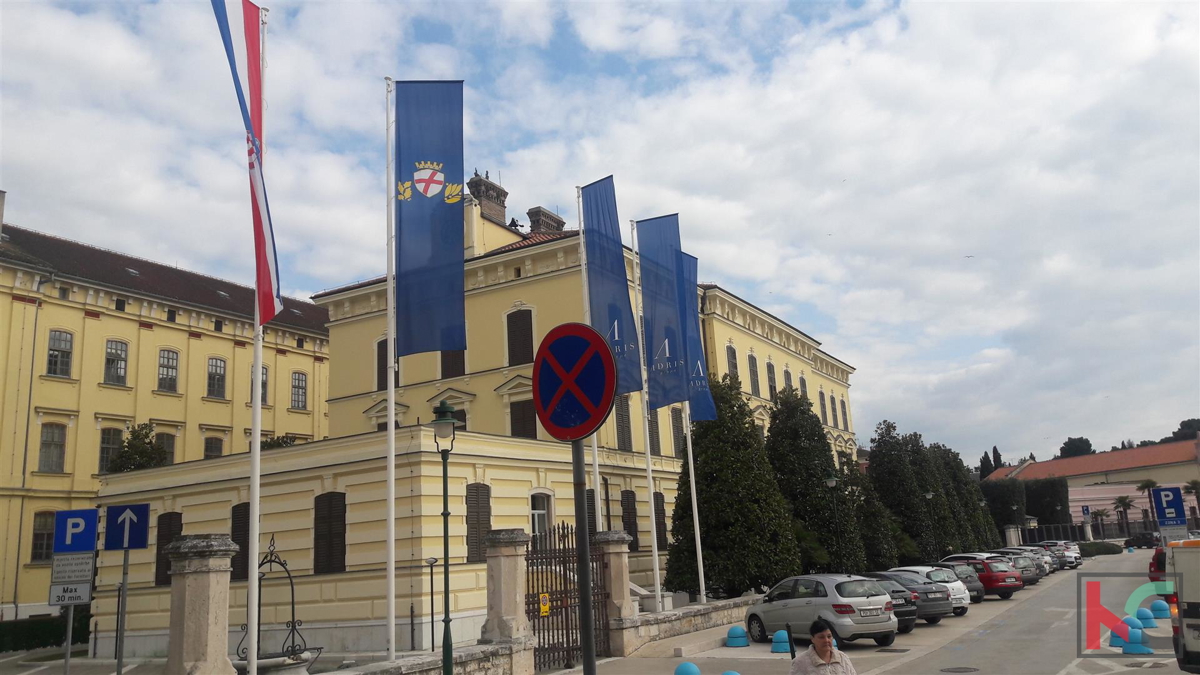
[
  {"x": 126, "y": 526},
  {"x": 75, "y": 531},
  {"x": 1168, "y": 506}
]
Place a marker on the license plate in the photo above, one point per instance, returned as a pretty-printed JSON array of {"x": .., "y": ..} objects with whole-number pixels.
[
  {"x": 869, "y": 612},
  {"x": 1010, "y": 580},
  {"x": 936, "y": 595},
  {"x": 958, "y": 601}
]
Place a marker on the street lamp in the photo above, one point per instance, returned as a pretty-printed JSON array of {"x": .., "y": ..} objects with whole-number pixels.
[
  {"x": 831, "y": 482},
  {"x": 928, "y": 495},
  {"x": 432, "y": 641},
  {"x": 443, "y": 428}
]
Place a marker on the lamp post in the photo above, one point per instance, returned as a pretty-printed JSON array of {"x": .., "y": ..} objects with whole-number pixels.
[
  {"x": 444, "y": 428},
  {"x": 432, "y": 641},
  {"x": 831, "y": 482}
]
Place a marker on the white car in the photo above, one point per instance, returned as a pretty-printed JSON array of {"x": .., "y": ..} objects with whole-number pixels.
[{"x": 960, "y": 597}]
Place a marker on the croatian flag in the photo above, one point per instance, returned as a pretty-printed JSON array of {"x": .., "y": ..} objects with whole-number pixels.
[{"x": 266, "y": 266}]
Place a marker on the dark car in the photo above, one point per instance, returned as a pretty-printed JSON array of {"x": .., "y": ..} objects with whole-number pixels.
[
  {"x": 967, "y": 575},
  {"x": 1143, "y": 540},
  {"x": 904, "y": 604},
  {"x": 933, "y": 600}
]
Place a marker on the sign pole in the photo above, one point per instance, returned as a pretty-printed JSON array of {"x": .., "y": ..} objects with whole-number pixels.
[
  {"x": 70, "y": 625},
  {"x": 587, "y": 318},
  {"x": 583, "y": 561},
  {"x": 121, "y": 617}
]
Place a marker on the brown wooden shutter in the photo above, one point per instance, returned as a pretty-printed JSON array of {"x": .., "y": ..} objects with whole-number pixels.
[
  {"x": 479, "y": 521},
  {"x": 591, "y": 512},
  {"x": 655, "y": 444},
  {"x": 454, "y": 363},
  {"x": 660, "y": 520},
  {"x": 771, "y": 389},
  {"x": 381, "y": 365},
  {"x": 787, "y": 379},
  {"x": 329, "y": 533},
  {"x": 629, "y": 518},
  {"x": 170, "y": 526},
  {"x": 624, "y": 430},
  {"x": 520, "y": 337},
  {"x": 678, "y": 432},
  {"x": 523, "y": 418},
  {"x": 752, "y": 373},
  {"x": 731, "y": 358},
  {"x": 239, "y": 531}
]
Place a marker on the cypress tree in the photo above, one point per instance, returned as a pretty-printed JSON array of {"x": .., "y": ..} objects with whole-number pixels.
[
  {"x": 875, "y": 523},
  {"x": 800, "y": 455},
  {"x": 996, "y": 463},
  {"x": 892, "y": 476},
  {"x": 745, "y": 523},
  {"x": 985, "y": 466}
]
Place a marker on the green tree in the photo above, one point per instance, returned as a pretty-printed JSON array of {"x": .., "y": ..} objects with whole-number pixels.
[
  {"x": 996, "y": 462},
  {"x": 976, "y": 532},
  {"x": 1047, "y": 500},
  {"x": 1100, "y": 515},
  {"x": 1123, "y": 504},
  {"x": 1188, "y": 429},
  {"x": 985, "y": 466},
  {"x": 892, "y": 475},
  {"x": 876, "y": 525},
  {"x": 1146, "y": 486},
  {"x": 944, "y": 515},
  {"x": 277, "y": 442},
  {"x": 1002, "y": 496},
  {"x": 1076, "y": 447},
  {"x": 800, "y": 456},
  {"x": 745, "y": 523},
  {"x": 138, "y": 451}
]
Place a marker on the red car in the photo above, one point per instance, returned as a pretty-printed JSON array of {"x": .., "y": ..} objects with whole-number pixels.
[
  {"x": 998, "y": 577},
  {"x": 1158, "y": 565}
]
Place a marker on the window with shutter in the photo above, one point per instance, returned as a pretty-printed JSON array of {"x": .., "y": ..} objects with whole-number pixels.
[
  {"x": 523, "y": 419},
  {"x": 167, "y": 443},
  {"x": 329, "y": 533},
  {"x": 454, "y": 363},
  {"x": 803, "y": 387},
  {"x": 629, "y": 518},
  {"x": 824, "y": 412},
  {"x": 591, "y": 513},
  {"x": 771, "y": 380},
  {"x": 460, "y": 416},
  {"x": 660, "y": 520},
  {"x": 239, "y": 532},
  {"x": 170, "y": 525},
  {"x": 520, "y": 337},
  {"x": 479, "y": 521},
  {"x": 381, "y": 367},
  {"x": 731, "y": 360},
  {"x": 845, "y": 418},
  {"x": 752, "y": 374},
  {"x": 678, "y": 433},
  {"x": 655, "y": 445},
  {"x": 787, "y": 379},
  {"x": 624, "y": 430}
]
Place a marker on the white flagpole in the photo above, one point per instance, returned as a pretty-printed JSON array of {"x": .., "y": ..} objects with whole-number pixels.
[
  {"x": 587, "y": 318},
  {"x": 687, "y": 428},
  {"x": 641, "y": 333},
  {"x": 391, "y": 383}
]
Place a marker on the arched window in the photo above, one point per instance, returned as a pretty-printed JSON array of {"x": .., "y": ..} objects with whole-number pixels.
[
  {"x": 787, "y": 379},
  {"x": 540, "y": 513},
  {"x": 264, "y": 388},
  {"x": 845, "y": 418},
  {"x": 824, "y": 412},
  {"x": 479, "y": 520},
  {"x": 213, "y": 447},
  {"x": 116, "y": 358},
  {"x": 624, "y": 428},
  {"x": 167, "y": 443},
  {"x": 520, "y": 337},
  {"x": 53, "y": 452},
  {"x": 170, "y": 526},
  {"x": 731, "y": 360},
  {"x": 803, "y": 386},
  {"x": 629, "y": 517},
  {"x": 299, "y": 391},
  {"x": 752, "y": 374},
  {"x": 329, "y": 533},
  {"x": 168, "y": 370},
  {"x": 111, "y": 440},
  {"x": 42, "y": 549},
  {"x": 216, "y": 378},
  {"x": 771, "y": 390},
  {"x": 239, "y": 532},
  {"x": 58, "y": 359}
]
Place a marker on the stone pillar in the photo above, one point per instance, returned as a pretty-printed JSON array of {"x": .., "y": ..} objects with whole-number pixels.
[
  {"x": 506, "y": 587},
  {"x": 198, "y": 642},
  {"x": 615, "y": 546},
  {"x": 1012, "y": 535}
]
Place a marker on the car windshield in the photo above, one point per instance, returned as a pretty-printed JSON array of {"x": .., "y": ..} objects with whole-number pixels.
[
  {"x": 908, "y": 578},
  {"x": 1022, "y": 561},
  {"x": 889, "y": 585},
  {"x": 860, "y": 588},
  {"x": 941, "y": 576},
  {"x": 964, "y": 572},
  {"x": 998, "y": 566}
]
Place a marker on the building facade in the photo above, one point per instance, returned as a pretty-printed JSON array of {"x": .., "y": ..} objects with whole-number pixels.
[{"x": 93, "y": 342}]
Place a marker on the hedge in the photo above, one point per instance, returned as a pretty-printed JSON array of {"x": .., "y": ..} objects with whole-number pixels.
[
  {"x": 1091, "y": 549},
  {"x": 45, "y": 631}
]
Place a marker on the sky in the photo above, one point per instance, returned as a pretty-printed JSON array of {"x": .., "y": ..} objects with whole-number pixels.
[{"x": 991, "y": 210}]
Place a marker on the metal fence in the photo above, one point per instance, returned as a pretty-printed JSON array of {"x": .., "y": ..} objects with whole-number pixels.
[{"x": 552, "y": 599}]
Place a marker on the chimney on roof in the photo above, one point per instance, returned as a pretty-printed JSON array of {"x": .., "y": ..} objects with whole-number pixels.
[
  {"x": 544, "y": 220},
  {"x": 491, "y": 197}
]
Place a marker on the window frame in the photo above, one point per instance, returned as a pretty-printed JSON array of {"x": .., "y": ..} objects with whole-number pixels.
[
  {"x": 41, "y": 541},
  {"x": 456, "y": 357},
  {"x": 772, "y": 389},
  {"x": 731, "y": 364},
  {"x": 220, "y": 443},
  {"x": 510, "y": 346},
  {"x": 655, "y": 438},
  {"x": 381, "y": 366},
  {"x": 168, "y": 526},
  {"x": 624, "y": 426},
  {"x": 112, "y": 450},
  {"x": 479, "y": 520},
  {"x": 824, "y": 411},
  {"x": 239, "y": 532},
  {"x": 547, "y": 513},
  {"x": 116, "y": 362},
  {"x": 216, "y": 376},
  {"x": 629, "y": 518},
  {"x": 845, "y": 418},
  {"x": 528, "y": 422},
  {"x": 46, "y": 462},
  {"x": 299, "y": 400},
  {"x": 327, "y": 534},
  {"x": 752, "y": 375},
  {"x": 59, "y": 356},
  {"x": 170, "y": 367},
  {"x": 161, "y": 436}
]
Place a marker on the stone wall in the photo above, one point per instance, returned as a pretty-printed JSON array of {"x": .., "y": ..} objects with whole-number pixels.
[
  {"x": 507, "y": 658},
  {"x": 626, "y": 635}
]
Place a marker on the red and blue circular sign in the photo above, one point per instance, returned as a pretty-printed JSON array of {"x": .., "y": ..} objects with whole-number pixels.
[{"x": 574, "y": 381}]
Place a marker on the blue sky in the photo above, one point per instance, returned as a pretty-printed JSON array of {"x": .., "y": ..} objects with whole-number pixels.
[{"x": 992, "y": 210}]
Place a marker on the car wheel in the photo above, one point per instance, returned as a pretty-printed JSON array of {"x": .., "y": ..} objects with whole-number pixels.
[
  {"x": 758, "y": 632},
  {"x": 1005, "y": 595},
  {"x": 886, "y": 640},
  {"x": 906, "y": 628},
  {"x": 933, "y": 620},
  {"x": 959, "y": 611}
]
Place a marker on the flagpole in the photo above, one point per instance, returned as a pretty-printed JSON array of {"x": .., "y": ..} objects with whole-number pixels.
[
  {"x": 637, "y": 276},
  {"x": 587, "y": 318},
  {"x": 391, "y": 383},
  {"x": 687, "y": 428}
]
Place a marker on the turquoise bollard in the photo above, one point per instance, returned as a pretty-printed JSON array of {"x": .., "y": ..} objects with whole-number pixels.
[
  {"x": 1129, "y": 550},
  {"x": 731, "y": 672},
  {"x": 687, "y": 668},
  {"x": 780, "y": 644},
  {"x": 1132, "y": 622},
  {"x": 1160, "y": 609},
  {"x": 1146, "y": 617},
  {"x": 736, "y": 637},
  {"x": 1134, "y": 644},
  {"x": 1115, "y": 640}
]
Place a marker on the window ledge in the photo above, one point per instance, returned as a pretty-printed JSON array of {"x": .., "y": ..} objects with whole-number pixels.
[
  {"x": 57, "y": 378},
  {"x": 113, "y": 385},
  {"x": 213, "y": 399},
  {"x": 264, "y": 406},
  {"x": 50, "y": 473},
  {"x": 39, "y": 563},
  {"x": 164, "y": 392},
  {"x": 300, "y": 411}
]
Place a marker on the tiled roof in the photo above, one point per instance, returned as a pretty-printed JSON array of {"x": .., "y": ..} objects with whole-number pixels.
[
  {"x": 1002, "y": 472},
  {"x": 1101, "y": 462},
  {"x": 72, "y": 259}
]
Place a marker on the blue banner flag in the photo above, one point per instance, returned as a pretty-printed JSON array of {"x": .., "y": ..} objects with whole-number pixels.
[
  {"x": 699, "y": 395},
  {"x": 662, "y": 310},
  {"x": 608, "y": 287},
  {"x": 429, "y": 217}
]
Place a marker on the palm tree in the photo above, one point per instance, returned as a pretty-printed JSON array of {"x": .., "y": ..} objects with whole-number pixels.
[
  {"x": 1123, "y": 504},
  {"x": 1192, "y": 487},
  {"x": 1100, "y": 515},
  {"x": 1146, "y": 486}
]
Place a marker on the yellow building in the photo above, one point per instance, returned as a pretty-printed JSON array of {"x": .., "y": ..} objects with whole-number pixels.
[
  {"x": 92, "y": 342},
  {"x": 324, "y": 504}
]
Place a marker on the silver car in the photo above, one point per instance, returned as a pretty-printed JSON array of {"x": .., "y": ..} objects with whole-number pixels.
[{"x": 856, "y": 607}]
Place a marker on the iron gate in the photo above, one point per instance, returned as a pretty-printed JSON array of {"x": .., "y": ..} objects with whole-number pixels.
[{"x": 551, "y": 571}]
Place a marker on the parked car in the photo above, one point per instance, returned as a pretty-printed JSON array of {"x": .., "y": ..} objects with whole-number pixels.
[
  {"x": 856, "y": 607},
  {"x": 1143, "y": 540},
  {"x": 1040, "y": 555},
  {"x": 1071, "y": 549},
  {"x": 1024, "y": 564},
  {"x": 933, "y": 600},
  {"x": 976, "y": 556},
  {"x": 1061, "y": 558},
  {"x": 960, "y": 597},
  {"x": 904, "y": 604},
  {"x": 998, "y": 577},
  {"x": 967, "y": 575}
]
